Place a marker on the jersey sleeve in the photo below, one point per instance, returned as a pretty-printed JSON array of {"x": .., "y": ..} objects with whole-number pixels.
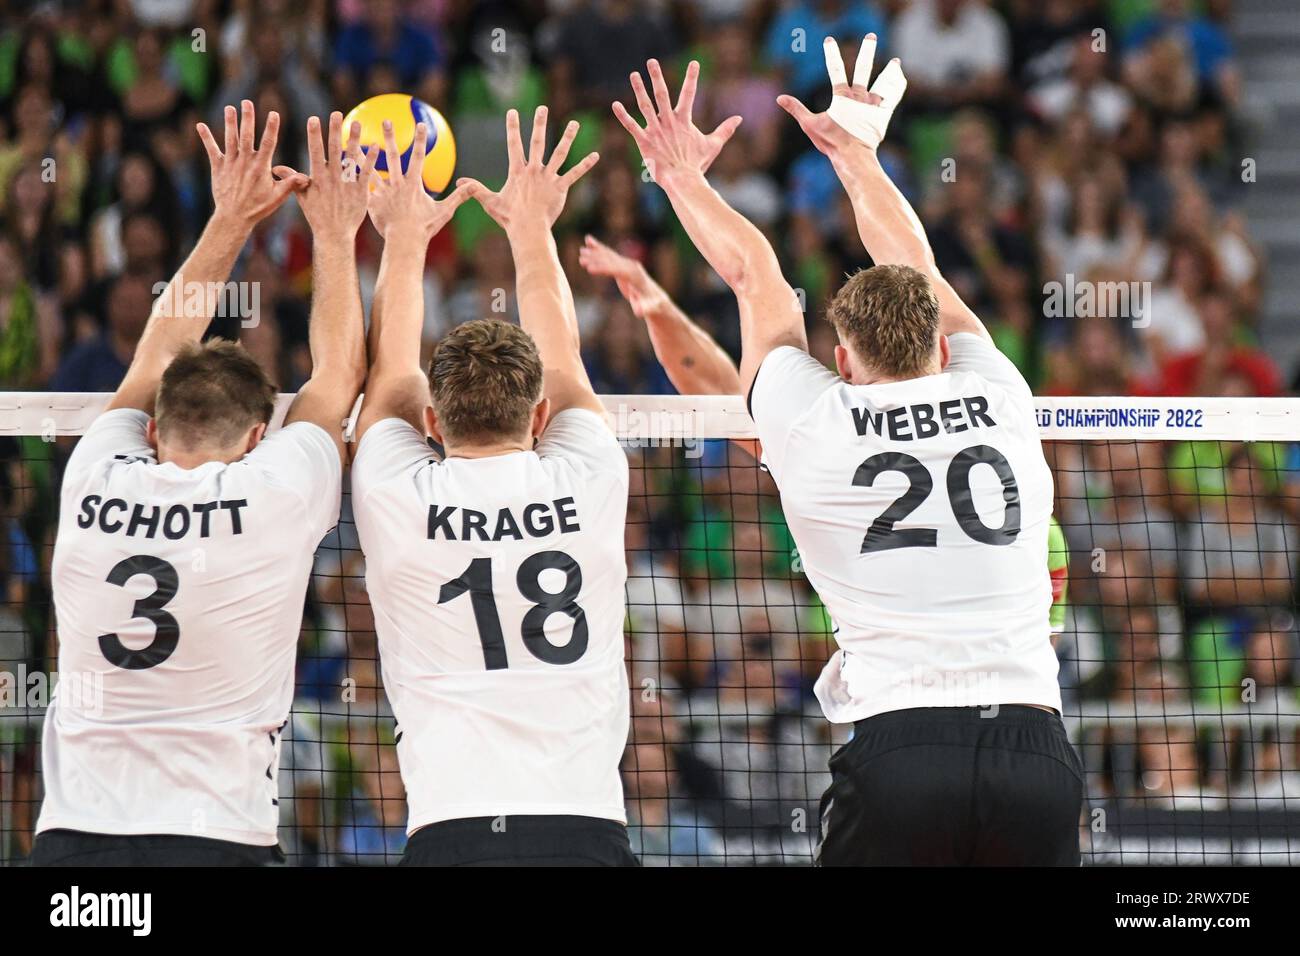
[
  {"x": 120, "y": 433},
  {"x": 388, "y": 448},
  {"x": 789, "y": 380},
  {"x": 303, "y": 458},
  {"x": 580, "y": 435},
  {"x": 976, "y": 354}
]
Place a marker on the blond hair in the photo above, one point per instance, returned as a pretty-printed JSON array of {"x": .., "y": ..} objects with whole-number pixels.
[{"x": 890, "y": 317}]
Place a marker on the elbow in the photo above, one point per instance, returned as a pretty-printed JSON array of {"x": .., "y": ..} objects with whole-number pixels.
[
  {"x": 353, "y": 379},
  {"x": 737, "y": 280},
  {"x": 745, "y": 274}
]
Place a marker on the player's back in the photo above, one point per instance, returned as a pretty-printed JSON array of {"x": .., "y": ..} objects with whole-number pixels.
[
  {"x": 179, "y": 596},
  {"x": 498, "y": 590},
  {"x": 921, "y": 511}
]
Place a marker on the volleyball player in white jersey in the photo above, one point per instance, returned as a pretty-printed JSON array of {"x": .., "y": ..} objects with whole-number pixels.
[
  {"x": 496, "y": 571},
  {"x": 915, "y": 487},
  {"x": 697, "y": 365},
  {"x": 185, "y": 543}
]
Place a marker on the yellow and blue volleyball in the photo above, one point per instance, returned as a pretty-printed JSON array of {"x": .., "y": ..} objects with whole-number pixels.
[{"x": 405, "y": 112}]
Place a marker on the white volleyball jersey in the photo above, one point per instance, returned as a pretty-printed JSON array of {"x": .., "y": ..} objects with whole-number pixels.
[
  {"x": 498, "y": 590},
  {"x": 178, "y": 595},
  {"x": 920, "y": 510}
]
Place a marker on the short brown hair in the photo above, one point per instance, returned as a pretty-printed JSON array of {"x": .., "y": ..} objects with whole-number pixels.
[
  {"x": 211, "y": 394},
  {"x": 890, "y": 316},
  {"x": 485, "y": 377}
]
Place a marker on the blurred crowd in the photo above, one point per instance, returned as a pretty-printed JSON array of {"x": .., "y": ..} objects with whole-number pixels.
[{"x": 1076, "y": 163}]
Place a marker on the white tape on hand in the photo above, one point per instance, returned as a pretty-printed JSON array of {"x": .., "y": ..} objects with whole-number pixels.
[
  {"x": 866, "y": 56},
  {"x": 866, "y": 122},
  {"x": 834, "y": 62}
]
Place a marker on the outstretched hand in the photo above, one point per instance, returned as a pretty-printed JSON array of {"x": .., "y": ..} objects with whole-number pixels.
[
  {"x": 399, "y": 205},
  {"x": 335, "y": 199},
  {"x": 634, "y": 283},
  {"x": 670, "y": 141},
  {"x": 857, "y": 115},
  {"x": 245, "y": 187},
  {"x": 534, "y": 191}
]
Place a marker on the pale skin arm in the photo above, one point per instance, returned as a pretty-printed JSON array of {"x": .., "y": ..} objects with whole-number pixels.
[
  {"x": 695, "y": 363},
  {"x": 889, "y": 226},
  {"x": 677, "y": 152},
  {"x": 334, "y": 204},
  {"x": 408, "y": 218},
  {"x": 526, "y": 207},
  {"x": 245, "y": 190}
]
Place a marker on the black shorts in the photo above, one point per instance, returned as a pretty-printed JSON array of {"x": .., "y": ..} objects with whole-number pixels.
[
  {"x": 954, "y": 786},
  {"x": 520, "y": 841},
  {"x": 75, "y": 848}
]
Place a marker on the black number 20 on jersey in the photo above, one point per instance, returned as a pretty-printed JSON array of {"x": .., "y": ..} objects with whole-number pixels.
[{"x": 883, "y": 536}]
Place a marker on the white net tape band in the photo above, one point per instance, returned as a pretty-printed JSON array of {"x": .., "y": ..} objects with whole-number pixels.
[{"x": 668, "y": 418}]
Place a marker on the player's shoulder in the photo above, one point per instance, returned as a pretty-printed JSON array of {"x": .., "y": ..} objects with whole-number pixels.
[
  {"x": 115, "y": 444},
  {"x": 786, "y": 399},
  {"x": 979, "y": 356},
  {"x": 585, "y": 424},
  {"x": 301, "y": 455},
  {"x": 788, "y": 380},
  {"x": 389, "y": 438},
  {"x": 390, "y": 449},
  {"x": 788, "y": 388},
  {"x": 116, "y": 435},
  {"x": 582, "y": 438},
  {"x": 300, "y": 437},
  {"x": 293, "y": 478}
]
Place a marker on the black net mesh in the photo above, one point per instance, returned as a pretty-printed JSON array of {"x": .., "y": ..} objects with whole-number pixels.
[{"x": 1178, "y": 647}]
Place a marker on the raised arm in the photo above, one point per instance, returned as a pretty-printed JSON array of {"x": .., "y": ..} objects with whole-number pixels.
[
  {"x": 526, "y": 207},
  {"x": 245, "y": 190},
  {"x": 334, "y": 204},
  {"x": 407, "y": 217},
  {"x": 695, "y": 363},
  {"x": 677, "y": 153},
  {"x": 849, "y": 133}
]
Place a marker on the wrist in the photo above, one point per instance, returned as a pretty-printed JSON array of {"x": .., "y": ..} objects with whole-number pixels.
[
  {"x": 528, "y": 229},
  {"x": 332, "y": 240},
  {"x": 231, "y": 223},
  {"x": 651, "y": 293},
  {"x": 407, "y": 240},
  {"x": 852, "y": 159},
  {"x": 675, "y": 176},
  {"x": 656, "y": 307}
]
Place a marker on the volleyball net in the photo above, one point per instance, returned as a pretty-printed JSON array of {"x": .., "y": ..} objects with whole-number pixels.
[{"x": 1180, "y": 668}]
